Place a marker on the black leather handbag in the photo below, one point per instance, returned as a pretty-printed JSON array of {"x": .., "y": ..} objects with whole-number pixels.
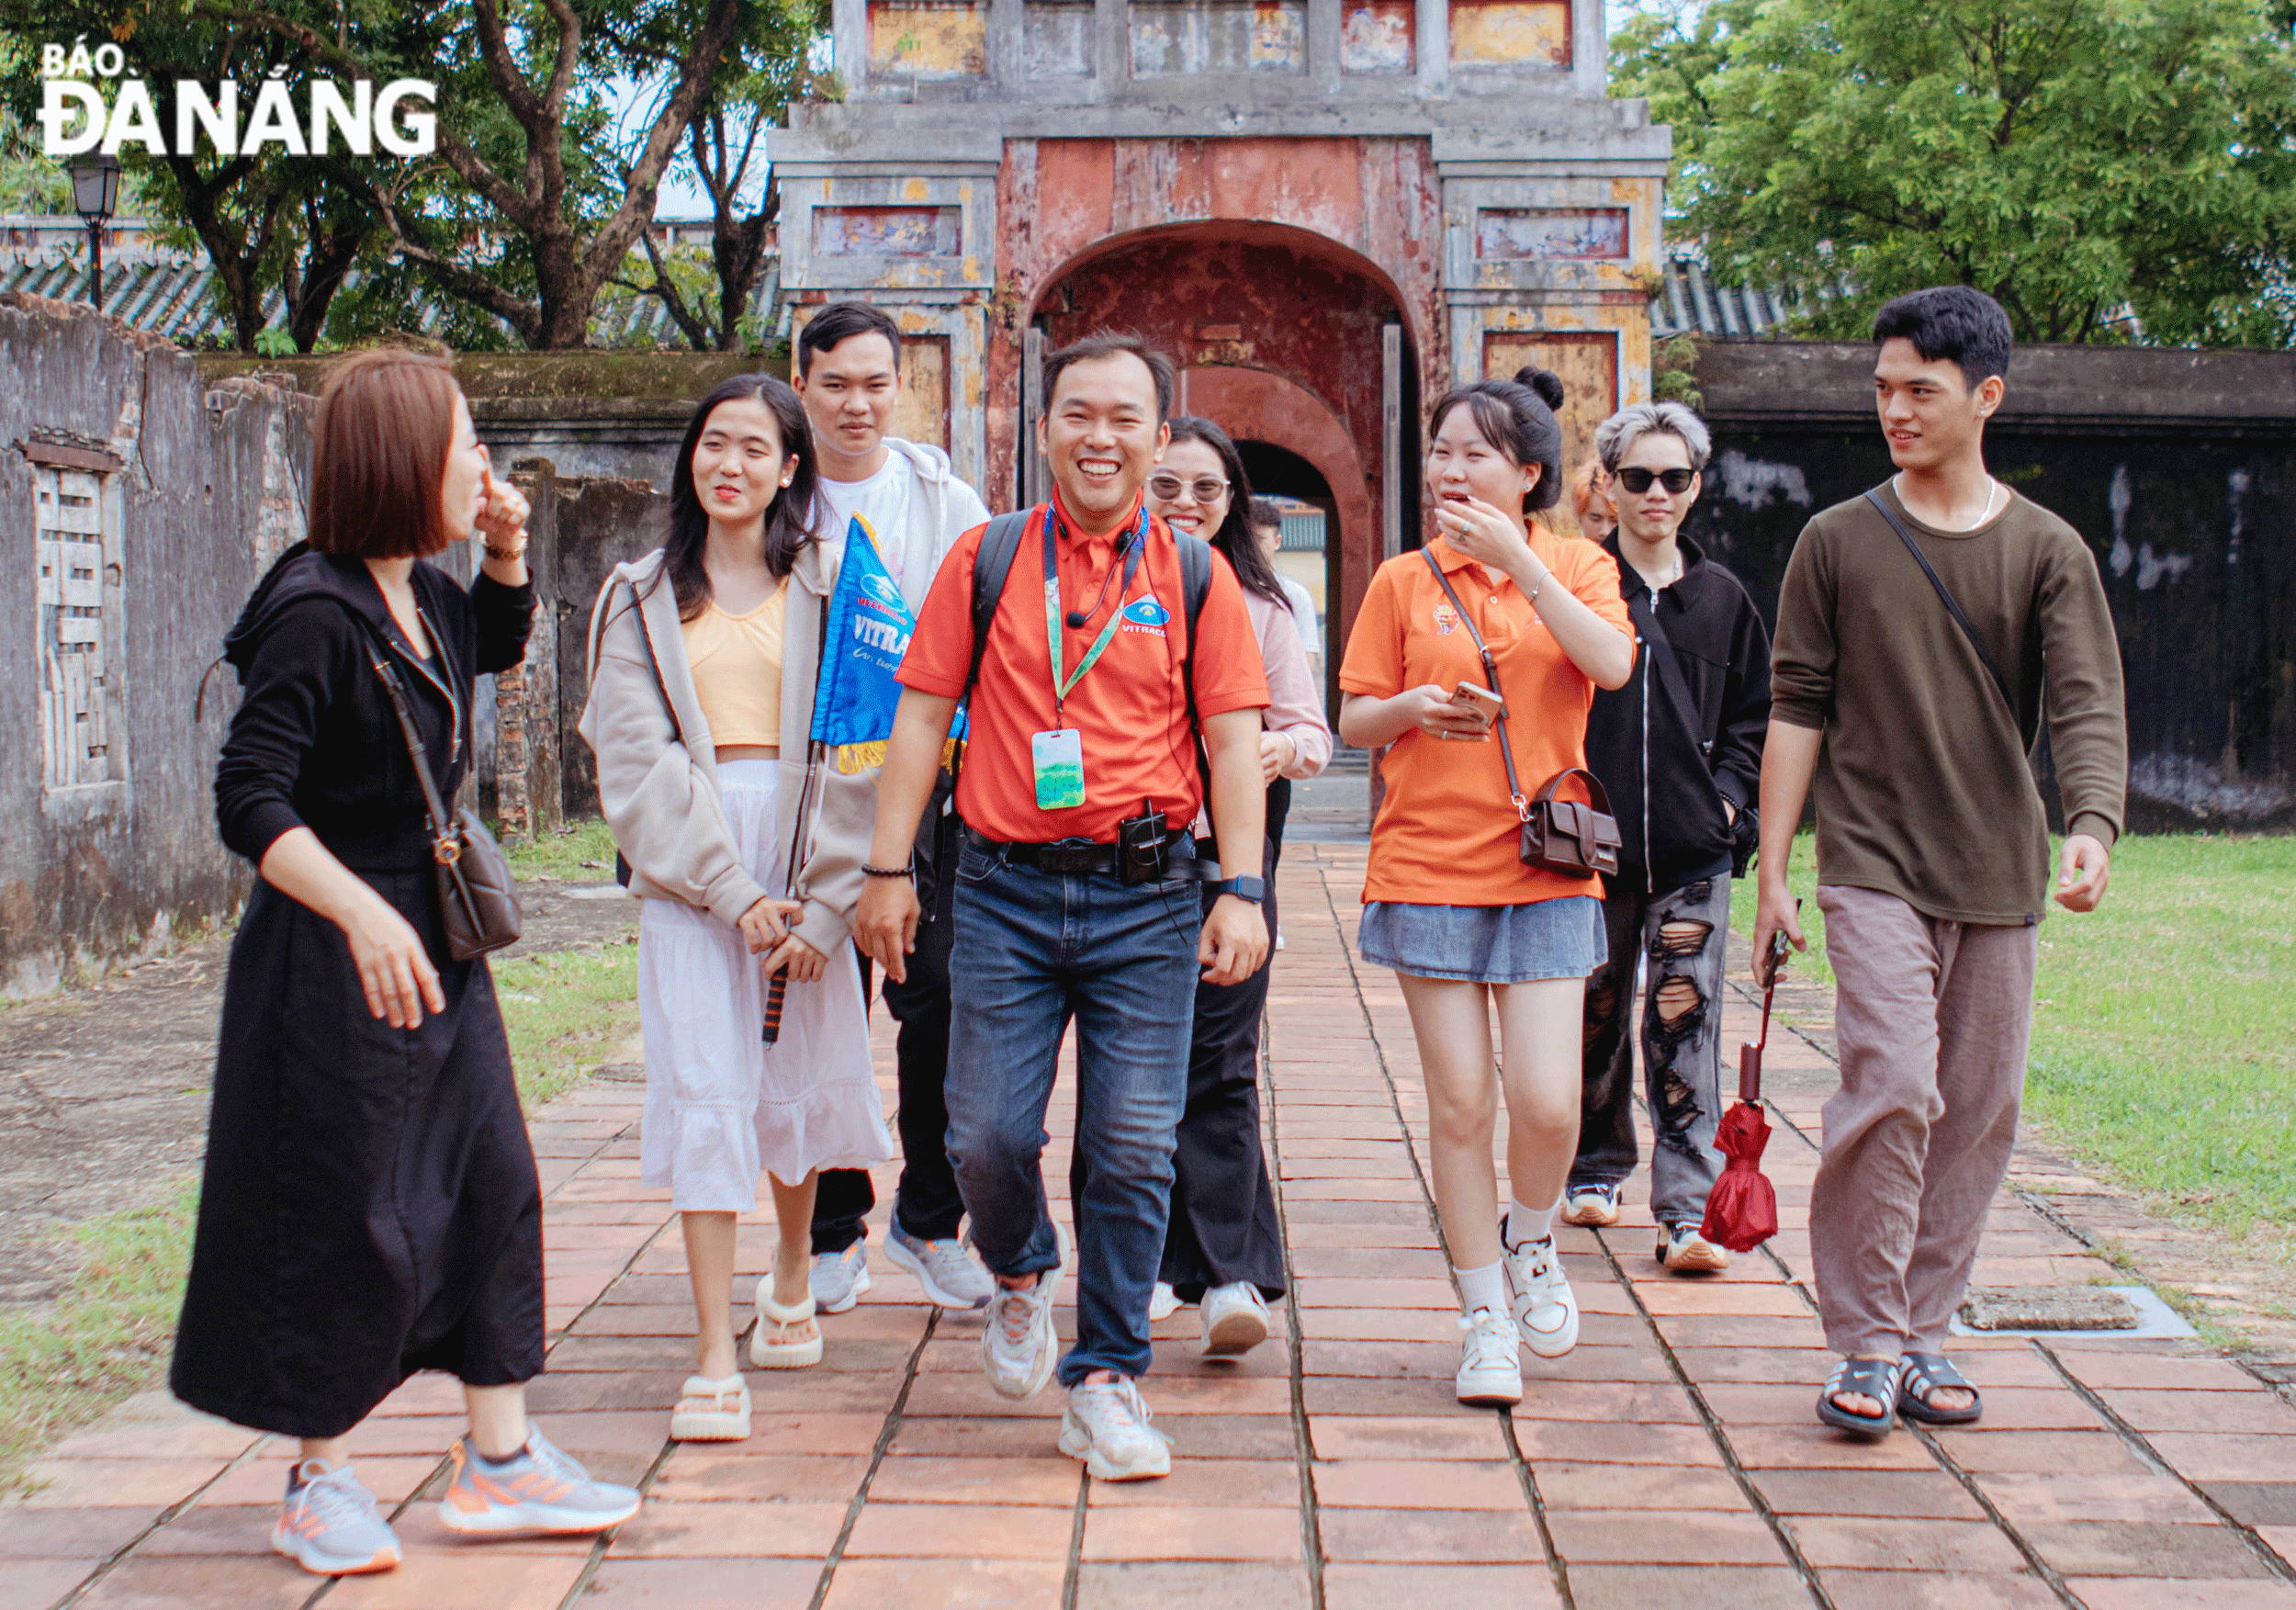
[
  {"x": 477, "y": 899},
  {"x": 1558, "y": 835}
]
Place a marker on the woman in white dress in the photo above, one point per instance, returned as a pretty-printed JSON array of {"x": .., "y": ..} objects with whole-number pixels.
[{"x": 685, "y": 715}]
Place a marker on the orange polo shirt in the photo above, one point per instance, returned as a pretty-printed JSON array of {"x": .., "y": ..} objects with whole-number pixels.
[
  {"x": 1446, "y": 833},
  {"x": 1131, "y": 709}
]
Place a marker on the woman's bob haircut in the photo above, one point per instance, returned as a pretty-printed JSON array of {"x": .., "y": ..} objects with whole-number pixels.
[{"x": 378, "y": 456}]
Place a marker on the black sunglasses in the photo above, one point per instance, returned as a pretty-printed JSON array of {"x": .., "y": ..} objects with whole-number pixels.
[{"x": 1637, "y": 479}]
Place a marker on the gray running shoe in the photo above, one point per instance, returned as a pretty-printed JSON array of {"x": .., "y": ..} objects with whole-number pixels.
[
  {"x": 951, "y": 1276},
  {"x": 330, "y": 1525},
  {"x": 838, "y": 1278},
  {"x": 537, "y": 1489}
]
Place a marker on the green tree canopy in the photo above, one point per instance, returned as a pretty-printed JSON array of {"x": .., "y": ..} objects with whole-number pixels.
[{"x": 2078, "y": 160}]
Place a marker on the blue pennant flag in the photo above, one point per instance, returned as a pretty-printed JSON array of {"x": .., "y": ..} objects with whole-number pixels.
[{"x": 869, "y": 631}]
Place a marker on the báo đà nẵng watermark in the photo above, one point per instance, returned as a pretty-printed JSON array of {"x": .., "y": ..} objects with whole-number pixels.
[{"x": 75, "y": 117}]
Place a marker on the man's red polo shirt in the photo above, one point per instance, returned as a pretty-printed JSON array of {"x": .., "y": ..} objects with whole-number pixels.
[{"x": 1131, "y": 709}]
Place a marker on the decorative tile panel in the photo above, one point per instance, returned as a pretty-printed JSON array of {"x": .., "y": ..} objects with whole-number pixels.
[
  {"x": 885, "y": 232},
  {"x": 1375, "y": 36},
  {"x": 1217, "y": 36},
  {"x": 1057, "y": 38},
  {"x": 1511, "y": 33},
  {"x": 929, "y": 39},
  {"x": 1551, "y": 234}
]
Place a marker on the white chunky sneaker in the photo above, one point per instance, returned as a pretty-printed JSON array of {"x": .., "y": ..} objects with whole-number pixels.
[
  {"x": 1546, "y": 1311},
  {"x": 1491, "y": 1368},
  {"x": 1235, "y": 1320},
  {"x": 1018, "y": 1344},
  {"x": 1162, "y": 1303},
  {"x": 953, "y": 1277},
  {"x": 1106, "y": 1425},
  {"x": 1685, "y": 1251}
]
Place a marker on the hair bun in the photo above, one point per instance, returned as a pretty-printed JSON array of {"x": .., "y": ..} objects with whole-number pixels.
[{"x": 1545, "y": 382}]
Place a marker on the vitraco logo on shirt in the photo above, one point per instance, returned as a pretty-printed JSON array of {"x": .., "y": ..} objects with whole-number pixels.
[{"x": 1146, "y": 616}]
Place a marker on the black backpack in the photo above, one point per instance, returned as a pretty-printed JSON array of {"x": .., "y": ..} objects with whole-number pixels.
[{"x": 1001, "y": 541}]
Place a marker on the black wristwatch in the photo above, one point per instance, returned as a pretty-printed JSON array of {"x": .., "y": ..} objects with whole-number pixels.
[{"x": 1252, "y": 889}]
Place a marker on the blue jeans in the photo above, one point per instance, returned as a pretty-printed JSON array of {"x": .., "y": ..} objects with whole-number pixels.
[{"x": 1034, "y": 949}]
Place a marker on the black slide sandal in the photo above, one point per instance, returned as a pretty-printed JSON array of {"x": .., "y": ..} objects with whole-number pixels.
[
  {"x": 1873, "y": 1377},
  {"x": 1927, "y": 1373}
]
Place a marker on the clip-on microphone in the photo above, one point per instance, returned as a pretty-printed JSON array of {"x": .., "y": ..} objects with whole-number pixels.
[{"x": 1077, "y": 618}]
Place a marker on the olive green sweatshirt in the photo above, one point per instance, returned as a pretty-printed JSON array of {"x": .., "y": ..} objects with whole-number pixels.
[{"x": 1923, "y": 786}]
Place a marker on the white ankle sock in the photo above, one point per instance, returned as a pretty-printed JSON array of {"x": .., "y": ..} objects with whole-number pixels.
[
  {"x": 1529, "y": 1224},
  {"x": 1483, "y": 1288}
]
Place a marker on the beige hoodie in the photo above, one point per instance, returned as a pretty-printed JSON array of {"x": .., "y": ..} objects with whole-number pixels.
[{"x": 659, "y": 797}]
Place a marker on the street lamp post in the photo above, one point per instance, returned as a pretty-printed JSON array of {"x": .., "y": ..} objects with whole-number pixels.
[{"x": 95, "y": 193}]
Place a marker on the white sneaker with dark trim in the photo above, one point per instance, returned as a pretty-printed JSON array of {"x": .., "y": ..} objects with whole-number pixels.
[
  {"x": 1546, "y": 1309},
  {"x": 1490, "y": 1364}
]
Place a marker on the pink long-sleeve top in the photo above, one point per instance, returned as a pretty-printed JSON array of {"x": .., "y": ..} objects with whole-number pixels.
[{"x": 1294, "y": 707}]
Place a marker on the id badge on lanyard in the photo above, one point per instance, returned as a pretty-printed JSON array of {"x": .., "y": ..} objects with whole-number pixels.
[{"x": 1058, "y": 756}]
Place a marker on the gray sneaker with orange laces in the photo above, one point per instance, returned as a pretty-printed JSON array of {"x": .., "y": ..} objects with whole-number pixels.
[
  {"x": 330, "y": 1525},
  {"x": 537, "y": 1489}
]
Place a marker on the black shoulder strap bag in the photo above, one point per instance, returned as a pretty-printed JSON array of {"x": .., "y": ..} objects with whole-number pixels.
[
  {"x": 1558, "y": 835},
  {"x": 477, "y": 899}
]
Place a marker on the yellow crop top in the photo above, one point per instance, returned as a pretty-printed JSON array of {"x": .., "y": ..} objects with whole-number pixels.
[{"x": 737, "y": 663}]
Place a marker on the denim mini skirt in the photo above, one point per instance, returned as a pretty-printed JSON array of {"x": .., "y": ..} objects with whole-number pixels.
[{"x": 1486, "y": 944}]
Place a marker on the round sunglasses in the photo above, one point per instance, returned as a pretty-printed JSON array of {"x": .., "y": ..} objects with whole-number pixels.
[{"x": 1167, "y": 487}]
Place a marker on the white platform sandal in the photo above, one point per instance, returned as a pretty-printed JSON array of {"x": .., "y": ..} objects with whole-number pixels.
[
  {"x": 710, "y": 1411},
  {"x": 771, "y": 1345}
]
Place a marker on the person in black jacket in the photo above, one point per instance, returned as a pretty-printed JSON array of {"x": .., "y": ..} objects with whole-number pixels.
[
  {"x": 1679, "y": 751},
  {"x": 371, "y": 1206}
]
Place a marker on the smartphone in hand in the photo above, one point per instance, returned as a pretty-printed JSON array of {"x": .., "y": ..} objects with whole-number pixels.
[{"x": 1482, "y": 700}]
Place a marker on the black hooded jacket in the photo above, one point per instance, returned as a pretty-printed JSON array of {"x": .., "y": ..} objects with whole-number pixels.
[
  {"x": 1670, "y": 749},
  {"x": 314, "y": 742}
]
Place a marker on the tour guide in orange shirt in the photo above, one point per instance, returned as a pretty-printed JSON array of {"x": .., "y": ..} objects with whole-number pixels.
[{"x": 1077, "y": 889}]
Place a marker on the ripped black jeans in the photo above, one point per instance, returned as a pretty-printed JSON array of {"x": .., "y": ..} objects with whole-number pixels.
[{"x": 1682, "y": 935}]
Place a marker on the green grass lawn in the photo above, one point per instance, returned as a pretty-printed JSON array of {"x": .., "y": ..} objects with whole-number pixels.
[
  {"x": 565, "y": 1013},
  {"x": 580, "y": 852},
  {"x": 2163, "y": 1046},
  {"x": 107, "y": 1336}
]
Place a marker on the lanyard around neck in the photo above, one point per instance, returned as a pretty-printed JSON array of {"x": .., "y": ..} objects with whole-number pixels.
[{"x": 1064, "y": 684}]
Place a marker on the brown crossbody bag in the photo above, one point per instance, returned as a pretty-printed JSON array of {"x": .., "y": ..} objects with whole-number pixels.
[
  {"x": 477, "y": 899},
  {"x": 1558, "y": 835}
]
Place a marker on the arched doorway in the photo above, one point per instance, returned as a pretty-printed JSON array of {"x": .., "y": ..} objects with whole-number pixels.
[
  {"x": 1278, "y": 472},
  {"x": 1283, "y": 337}
]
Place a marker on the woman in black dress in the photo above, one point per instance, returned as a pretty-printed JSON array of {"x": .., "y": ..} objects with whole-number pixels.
[{"x": 371, "y": 1206}]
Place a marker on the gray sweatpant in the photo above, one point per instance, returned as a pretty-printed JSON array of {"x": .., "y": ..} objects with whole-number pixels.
[{"x": 1931, "y": 1019}]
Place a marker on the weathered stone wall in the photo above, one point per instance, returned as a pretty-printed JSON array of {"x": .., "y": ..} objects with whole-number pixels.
[
  {"x": 2178, "y": 467},
  {"x": 129, "y": 479}
]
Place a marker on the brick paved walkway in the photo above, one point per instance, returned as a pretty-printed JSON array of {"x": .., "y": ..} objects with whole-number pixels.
[{"x": 1672, "y": 1461}]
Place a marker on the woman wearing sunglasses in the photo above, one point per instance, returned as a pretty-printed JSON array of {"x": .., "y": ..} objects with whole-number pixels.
[
  {"x": 1223, "y": 1247},
  {"x": 1448, "y": 902}
]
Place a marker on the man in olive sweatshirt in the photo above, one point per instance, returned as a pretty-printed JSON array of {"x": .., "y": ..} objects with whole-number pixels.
[{"x": 1932, "y": 841}]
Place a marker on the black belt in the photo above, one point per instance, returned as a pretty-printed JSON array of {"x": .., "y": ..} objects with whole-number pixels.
[{"x": 1068, "y": 855}]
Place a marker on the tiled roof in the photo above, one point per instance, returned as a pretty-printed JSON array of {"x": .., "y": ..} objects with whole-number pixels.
[
  {"x": 169, "y": 293},
  {"x": 1690, "y": 303}
]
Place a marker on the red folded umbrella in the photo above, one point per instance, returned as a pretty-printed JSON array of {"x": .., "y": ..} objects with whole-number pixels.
[{"x": 1742, "y": 1208}]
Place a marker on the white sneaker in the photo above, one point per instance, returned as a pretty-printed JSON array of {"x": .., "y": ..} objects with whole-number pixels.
[
  {"x": 1162, "y": 1303},
  {"x": 1491, "y": 1368},
  {"x": 951, "y": 1276},
  {"x": 1106, "y": 1425},
  {"x": 1018, "y": 1344},
  {"x": 838, "y": 1278},
  {"x": 1546, "y": 1311},
  {"x": 1235, "y": 1320}
]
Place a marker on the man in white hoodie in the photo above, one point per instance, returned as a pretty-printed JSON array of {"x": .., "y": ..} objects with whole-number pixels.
[{"x": 849, "y": 377}]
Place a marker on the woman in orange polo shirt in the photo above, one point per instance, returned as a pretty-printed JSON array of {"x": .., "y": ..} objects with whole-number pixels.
[{"x": 1448, "y": 902}]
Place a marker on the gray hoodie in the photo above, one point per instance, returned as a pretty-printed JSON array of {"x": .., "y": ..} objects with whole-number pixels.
[{"x": 661, "y": 796}]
